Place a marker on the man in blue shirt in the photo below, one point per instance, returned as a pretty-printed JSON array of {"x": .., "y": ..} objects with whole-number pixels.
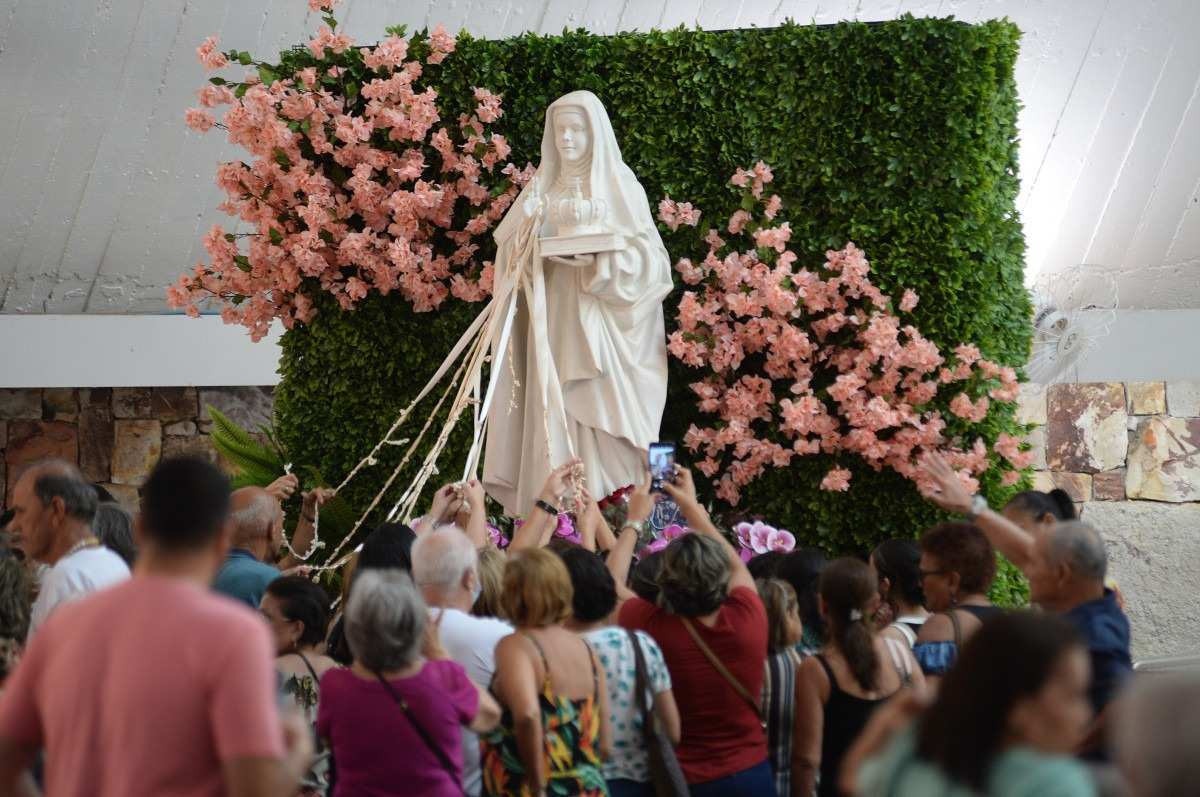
[
  {"x": 1066, "y": 566},
  {"x": 255, "y": 557},
  {"x": 1067, "y": 576}
]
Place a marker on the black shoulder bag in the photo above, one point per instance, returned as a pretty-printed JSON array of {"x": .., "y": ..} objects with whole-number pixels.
[{"x": 665, "y": 773}]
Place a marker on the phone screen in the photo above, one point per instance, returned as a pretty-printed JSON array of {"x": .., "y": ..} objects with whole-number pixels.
[{"x": 662, "y": 464}]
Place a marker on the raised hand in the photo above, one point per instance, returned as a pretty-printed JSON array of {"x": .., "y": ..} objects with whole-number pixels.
[
  {"x": 557, "y": 483},
  {"x": 315, "y": 498},
  {"x": 683, "y": 489},
  {"x": 641, "y": 502},
  {"x": 282, "y": 488},
  {"x": 443, "y": 501},
  {"x": 949, "y": 492}
]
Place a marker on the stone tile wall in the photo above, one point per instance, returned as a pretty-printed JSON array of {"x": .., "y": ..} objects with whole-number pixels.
[
  {"x": 117, "y": 435},
  {"x": 1129, "y": 455}
]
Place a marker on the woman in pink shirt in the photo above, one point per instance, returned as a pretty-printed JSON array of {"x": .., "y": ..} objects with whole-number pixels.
[{"x": 394, "y": 718}]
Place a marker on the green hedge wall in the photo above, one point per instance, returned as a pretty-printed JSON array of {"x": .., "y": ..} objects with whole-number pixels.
[{"x": 900, "y": 136}]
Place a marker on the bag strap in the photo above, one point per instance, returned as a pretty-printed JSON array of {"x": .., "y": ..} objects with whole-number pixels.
[
  {"x": 742, "y": 691},
  {"x": 315, "y": 677},
  {"x": 954, "y": 621},
  {"x": 442, "y": 758},
  {"x": 640, "y": 679}
]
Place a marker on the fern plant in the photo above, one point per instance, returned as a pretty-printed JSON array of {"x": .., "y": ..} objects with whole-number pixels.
[{"x": 259, "y": 462}]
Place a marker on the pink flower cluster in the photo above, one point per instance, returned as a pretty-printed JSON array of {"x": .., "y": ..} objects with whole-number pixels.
[
  {"x": 757, "y": 537},
  {"x": 351, "y": 187},
  {"x": 673, "y": 214},
  {"x": 669, "y": 535},
  {"x": 565, "y": 528},
  {"x": 802, "y": 361}
]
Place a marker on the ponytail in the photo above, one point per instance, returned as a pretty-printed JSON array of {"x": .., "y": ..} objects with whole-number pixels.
[
  {"x": 1057, "y": 503},
  {"x": 847, "y": 586}
]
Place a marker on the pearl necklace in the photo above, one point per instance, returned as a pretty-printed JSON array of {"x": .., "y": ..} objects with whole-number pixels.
[{"x": 87, "y": 542}]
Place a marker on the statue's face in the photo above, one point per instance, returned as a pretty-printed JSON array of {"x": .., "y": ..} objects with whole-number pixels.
[{"x": 572, "y": 137}]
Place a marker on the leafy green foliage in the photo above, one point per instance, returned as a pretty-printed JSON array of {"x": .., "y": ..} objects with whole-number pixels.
[
  {"x": 258, "y": 463},
  {"x": 1010, "y": 589},
  {"x": 900, "y": 136}
]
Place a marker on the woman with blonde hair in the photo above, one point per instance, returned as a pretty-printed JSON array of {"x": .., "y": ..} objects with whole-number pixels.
[
  {"x": 554, "y": 731},
  {"x": 491, "y": 582},
  {"x": 780, "y": 682}
]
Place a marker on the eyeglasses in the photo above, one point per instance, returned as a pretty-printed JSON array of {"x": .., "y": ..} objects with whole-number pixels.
[{"x": 924, "y": 574}]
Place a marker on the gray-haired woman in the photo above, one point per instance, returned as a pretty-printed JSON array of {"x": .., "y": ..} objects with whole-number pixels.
[{"x": 394, "y": 719}]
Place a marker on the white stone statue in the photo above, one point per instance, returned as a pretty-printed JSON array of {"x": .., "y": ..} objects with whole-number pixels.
[{"x": 585, "y": 371}]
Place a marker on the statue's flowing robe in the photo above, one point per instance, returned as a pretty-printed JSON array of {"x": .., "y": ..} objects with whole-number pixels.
[{"x": 600, "y": 331}]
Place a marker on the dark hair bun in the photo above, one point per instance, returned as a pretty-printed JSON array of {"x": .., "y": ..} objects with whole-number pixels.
[{"x": 1064, "y": 504}]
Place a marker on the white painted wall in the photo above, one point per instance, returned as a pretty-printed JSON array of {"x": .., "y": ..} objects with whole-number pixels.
[
  {"x": 1144, "y": 346},
  {"x": 172, "y": 350},
  {"x": 132, "y": 351},
  {"x": 104, "y": 194}
]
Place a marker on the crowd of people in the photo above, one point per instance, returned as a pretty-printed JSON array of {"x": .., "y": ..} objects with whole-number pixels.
[{"x": 185, "y": 650}]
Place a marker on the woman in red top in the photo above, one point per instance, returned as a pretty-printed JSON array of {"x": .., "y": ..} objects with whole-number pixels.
[{"x": 707, "y": 591}]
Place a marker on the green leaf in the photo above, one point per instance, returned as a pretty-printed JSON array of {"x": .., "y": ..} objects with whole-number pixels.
[
  {"x": 240, "y": 91},
  {"x": 330, "y": 21},
  {"x": 244, "y": 58},
  {"x": 230, "y": 237},
  {"x": 276, "y": 236},
  {"x": 266, "y": 74},
  {"x": 217, "y": 81},
  {"x": 242, "y": 262}
]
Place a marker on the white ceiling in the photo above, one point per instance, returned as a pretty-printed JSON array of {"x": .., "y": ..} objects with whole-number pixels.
[{"x": 104, "y": 193}]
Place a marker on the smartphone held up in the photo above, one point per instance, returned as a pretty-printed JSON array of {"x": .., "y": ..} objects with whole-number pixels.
[{"x": 662, "y": 465}]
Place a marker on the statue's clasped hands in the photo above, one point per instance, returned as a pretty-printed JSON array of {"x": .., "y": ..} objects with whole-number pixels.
[{"x": 533, "y": 202}]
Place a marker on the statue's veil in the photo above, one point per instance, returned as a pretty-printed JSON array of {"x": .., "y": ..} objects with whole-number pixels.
[{"x": 610, "y": 179}]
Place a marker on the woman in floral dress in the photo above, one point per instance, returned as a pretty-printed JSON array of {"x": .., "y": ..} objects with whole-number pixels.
[{"x": 554, "y": 731}]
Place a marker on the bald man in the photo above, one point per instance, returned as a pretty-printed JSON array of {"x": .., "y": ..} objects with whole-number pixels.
[
  {"x": 256, "y": 524},
  {"x": 255, "y": 558},
  {"x": 53, "y": 506}
]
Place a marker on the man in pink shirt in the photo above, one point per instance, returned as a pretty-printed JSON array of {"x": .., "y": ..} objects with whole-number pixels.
[{"x": 155, "y": 686}]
